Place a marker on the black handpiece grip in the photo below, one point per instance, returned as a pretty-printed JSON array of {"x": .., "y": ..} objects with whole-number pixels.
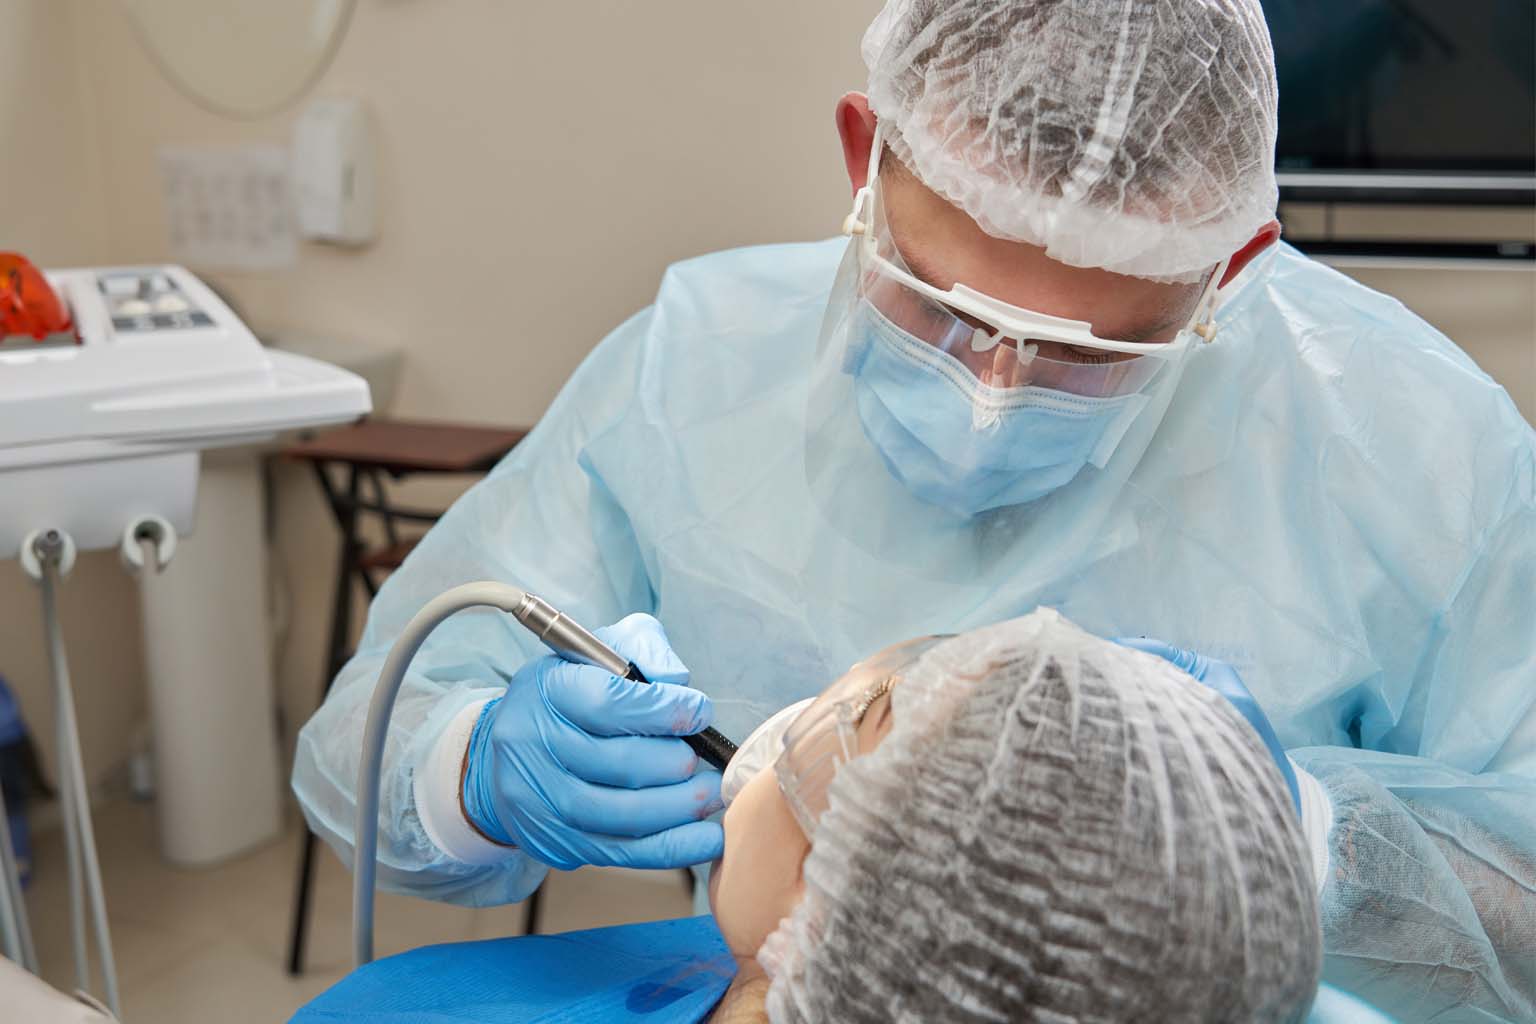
[{"x": 711, "y": 745}]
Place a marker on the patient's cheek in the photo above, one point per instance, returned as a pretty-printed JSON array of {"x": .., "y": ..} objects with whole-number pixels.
[{"x": 757, "y": 882}]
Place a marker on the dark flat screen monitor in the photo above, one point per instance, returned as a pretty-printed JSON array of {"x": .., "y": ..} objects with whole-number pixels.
[{"x": 1385, "y": 97}]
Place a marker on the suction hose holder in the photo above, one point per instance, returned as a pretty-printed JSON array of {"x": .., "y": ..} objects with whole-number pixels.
[
  {"x": 556, "y": 630},
  {"x": 47, "y": 548},
  {"x": 148, "y": 542}
]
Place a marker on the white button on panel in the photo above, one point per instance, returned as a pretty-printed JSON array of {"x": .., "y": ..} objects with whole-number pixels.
[
  {"x": 133, "y": 307},
  {"x": 171, "y": 303}
]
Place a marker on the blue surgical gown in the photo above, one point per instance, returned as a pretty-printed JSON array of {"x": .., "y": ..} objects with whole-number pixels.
[{"x": 1337, "y": 501}]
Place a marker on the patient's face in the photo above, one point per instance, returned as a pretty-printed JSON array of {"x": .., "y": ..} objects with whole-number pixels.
[{"x": 758, "y": 880}]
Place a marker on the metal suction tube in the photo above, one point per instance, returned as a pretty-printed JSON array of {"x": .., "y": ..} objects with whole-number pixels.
[{"x": 50, "y": 551}]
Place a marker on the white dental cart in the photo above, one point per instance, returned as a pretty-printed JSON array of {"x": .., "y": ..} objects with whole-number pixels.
[{"x": 101, "y": 434}]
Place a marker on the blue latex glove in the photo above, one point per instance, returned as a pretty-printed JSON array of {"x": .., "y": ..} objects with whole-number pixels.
[
  {"x": 1223, "y": 678},
  {"x": 577, "y": 766}
]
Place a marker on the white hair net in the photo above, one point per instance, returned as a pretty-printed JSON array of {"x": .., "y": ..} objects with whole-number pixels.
[
  {"x": 1133, "y": 135},
  {"x": 1056, "y": 828}
]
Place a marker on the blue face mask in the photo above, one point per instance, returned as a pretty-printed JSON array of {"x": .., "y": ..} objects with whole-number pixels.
[{"x": 959, "y": 444}]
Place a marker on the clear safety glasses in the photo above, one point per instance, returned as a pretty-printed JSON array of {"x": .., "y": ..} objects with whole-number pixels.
[
  {"x": 827, "y": 734},
  {"x": 1005, "y": 346}
]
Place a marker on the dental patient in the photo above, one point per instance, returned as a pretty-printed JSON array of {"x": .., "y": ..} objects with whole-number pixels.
[{"x": 1022, "y": 823}]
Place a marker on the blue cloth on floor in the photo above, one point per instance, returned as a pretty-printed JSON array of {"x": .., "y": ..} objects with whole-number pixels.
[{"x": 663, "y": 972}]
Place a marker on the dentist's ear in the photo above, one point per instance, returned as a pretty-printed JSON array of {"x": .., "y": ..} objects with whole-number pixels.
[
  {"x": 856, "y": 129},
  {"x": 1262, "y": 239}
]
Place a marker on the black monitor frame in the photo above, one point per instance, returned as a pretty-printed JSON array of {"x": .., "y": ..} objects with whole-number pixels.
[
  {"x": 1384, "y": 188},
  {"x": 1407, "y": 188}
]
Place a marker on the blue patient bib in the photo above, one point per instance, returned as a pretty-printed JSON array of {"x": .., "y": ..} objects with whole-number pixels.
[{"x": 664, "y": 972}]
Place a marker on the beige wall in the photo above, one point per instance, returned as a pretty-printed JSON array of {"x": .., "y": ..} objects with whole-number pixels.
[{"x": 539, "y": 165}]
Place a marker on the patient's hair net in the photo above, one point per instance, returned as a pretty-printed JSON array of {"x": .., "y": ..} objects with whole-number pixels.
[
  {"x": 1056, "y": 828},
  {"x": 1133, "y": 135}
]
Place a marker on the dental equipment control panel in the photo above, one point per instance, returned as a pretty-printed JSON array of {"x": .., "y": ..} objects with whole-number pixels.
[
  {"x": 106, "y": 400},
  {"x": 142, "y": 301}
]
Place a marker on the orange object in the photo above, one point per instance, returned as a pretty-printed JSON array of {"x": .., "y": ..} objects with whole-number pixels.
[{"x": 28, "y": 305}]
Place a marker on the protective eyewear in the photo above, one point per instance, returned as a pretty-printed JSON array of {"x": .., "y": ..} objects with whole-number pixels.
[
  {"x": 1004, "y": 345},
  {"x": 826, "y": 734}
]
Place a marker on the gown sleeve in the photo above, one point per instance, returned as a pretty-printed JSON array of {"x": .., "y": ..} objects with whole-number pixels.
[
  {"x": 541, "y": 521},
  {"x": 1429, "y": 897}
]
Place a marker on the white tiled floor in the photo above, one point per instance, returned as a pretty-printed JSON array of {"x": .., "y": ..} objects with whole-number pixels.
[{"x": 208, "y": 945}]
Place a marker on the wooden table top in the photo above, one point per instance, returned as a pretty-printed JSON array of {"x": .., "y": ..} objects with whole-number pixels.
[{"x": 410, "y": 446}]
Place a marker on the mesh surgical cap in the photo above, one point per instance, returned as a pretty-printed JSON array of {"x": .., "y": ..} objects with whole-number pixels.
[
  {"x": 1055, "y": 828},
  {"x": 1133, "y": 135}
]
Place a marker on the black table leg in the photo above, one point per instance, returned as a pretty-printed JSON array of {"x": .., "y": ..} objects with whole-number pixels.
[{"x": 303, "y": 888}]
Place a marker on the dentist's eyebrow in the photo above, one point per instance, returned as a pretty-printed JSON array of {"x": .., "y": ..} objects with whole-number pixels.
[{"x": 921, "y": 269}]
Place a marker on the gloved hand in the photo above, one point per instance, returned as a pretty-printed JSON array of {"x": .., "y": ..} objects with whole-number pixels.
[
  {"x": 576, "y": 766},
  {"x": 1223, "y": 678}
]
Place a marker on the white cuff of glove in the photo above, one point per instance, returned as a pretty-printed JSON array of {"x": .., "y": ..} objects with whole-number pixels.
[
  {"x": 1316, "y": 820},
  {"x": 438, "y": 801}
]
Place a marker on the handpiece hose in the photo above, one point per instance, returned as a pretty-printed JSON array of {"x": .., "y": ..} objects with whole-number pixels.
[{"x": 559, "y": 633}]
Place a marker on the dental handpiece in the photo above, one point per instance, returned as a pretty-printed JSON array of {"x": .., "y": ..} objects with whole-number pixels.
[{"x": 571, "y": 641}]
